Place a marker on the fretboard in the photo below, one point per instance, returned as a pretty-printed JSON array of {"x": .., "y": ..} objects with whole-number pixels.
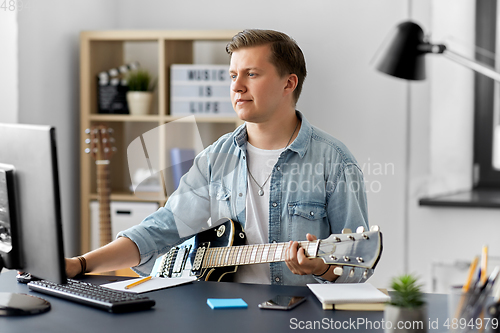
[
  {"x": 103, "y": 194},
  {"x": 252, "y": 254}
]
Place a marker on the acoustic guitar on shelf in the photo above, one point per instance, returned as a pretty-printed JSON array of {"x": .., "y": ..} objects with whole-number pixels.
[
  {"x": 101, "y": 149},
  {"x": 216, "y": 253}
]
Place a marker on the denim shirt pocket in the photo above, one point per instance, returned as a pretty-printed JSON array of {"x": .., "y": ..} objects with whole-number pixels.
[
  {"x": 220, "y": 200},
  {"x": 307, "y": 217}
]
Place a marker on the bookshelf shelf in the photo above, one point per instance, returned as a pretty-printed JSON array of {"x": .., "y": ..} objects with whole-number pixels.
[{"x": 157, "y": 50}]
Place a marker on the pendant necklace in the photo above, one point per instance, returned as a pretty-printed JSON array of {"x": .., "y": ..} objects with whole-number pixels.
[{"x": 261, "y": 188}]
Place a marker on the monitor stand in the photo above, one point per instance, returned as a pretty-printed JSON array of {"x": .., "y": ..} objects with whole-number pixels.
[{"x": 13, "y": 304}]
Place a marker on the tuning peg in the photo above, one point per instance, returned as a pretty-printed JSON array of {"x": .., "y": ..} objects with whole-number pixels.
[
  {"x": 112, "y": 140},
  {"x": 87, "y": 141},
  {"x": 104, "y": 140},
  {"x": 114, "y": 149},
  {"x": 374, "y": 228},
  {"x": 106, "y": 150},
  {"x": 346, "y": 231},
  {"x": 87, "y": 131},
  {"x": 360, "y": 229},
  {"x": 87, "y": 150},
  {"x": 338, "y": 271},
  {"x": 110, "y": 130}
]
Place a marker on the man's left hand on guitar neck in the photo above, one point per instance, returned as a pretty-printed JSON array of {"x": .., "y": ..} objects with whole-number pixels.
[{"x": 299, "y": 263}]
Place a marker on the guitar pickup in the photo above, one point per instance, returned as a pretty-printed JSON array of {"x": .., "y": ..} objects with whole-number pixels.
[
  {"x": 198, "y": 258},
  {"x": 180, "y": 260}
]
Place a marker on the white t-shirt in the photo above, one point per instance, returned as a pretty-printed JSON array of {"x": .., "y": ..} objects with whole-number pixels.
[{"x": 261, "y": 163}]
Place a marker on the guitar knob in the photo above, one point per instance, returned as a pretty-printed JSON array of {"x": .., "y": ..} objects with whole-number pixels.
[
  {"x": 346, "y": 231},
  {"x": 374, "y": 228},
  {"x": 360, "y": 229}
]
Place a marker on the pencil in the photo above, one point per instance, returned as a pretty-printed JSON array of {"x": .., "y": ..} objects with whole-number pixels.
[
  {"x": 484, "y": 265},
  {"x": 136, "y": 283},
  {"x": 472, "y": 268}
]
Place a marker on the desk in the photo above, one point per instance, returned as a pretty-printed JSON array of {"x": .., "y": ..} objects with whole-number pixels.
[{"x": 184, "y": 309}]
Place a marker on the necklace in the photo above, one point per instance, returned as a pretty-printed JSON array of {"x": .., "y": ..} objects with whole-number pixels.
[{"x": 261, "y": 187}]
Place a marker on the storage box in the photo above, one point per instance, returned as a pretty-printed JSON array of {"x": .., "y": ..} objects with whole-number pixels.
[{"x": 123, "y": 216}]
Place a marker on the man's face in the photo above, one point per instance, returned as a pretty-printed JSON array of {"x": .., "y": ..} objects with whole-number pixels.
[{"x": 257, "y": 91}]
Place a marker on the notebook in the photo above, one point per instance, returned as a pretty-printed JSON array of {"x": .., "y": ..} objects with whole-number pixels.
[{"x": 348, "y": 293}]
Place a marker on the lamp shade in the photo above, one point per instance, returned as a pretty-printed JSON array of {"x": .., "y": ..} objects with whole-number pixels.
[{"x": 403, "y": 55}]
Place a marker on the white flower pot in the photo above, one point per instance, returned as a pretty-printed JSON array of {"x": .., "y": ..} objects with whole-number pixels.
[
  {"x": 139, "y": 102},
  {"x": 406, "y": 320}
]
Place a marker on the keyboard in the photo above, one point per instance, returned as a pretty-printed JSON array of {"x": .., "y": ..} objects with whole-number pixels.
[{"x": 93, "y": 295}]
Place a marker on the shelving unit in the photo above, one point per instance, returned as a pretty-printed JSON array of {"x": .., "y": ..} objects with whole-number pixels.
[{"x": 157, "y": 50}]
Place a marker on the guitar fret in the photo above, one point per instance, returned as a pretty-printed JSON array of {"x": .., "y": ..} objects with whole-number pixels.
[
  {"x": 246, "y": 255},
  {"x": 211, "y": 259},
  {"x": 219, "y": 258},
  {"x": 234, "y": 251},
  {"x": 227, "y": 251},
  {"x": 279, "y": 252},
  {"x": 214, "y": 257},
  {"x": 253, "y": 254},
  {"x": 265, "y": 253},
  {"x": 238, "y": 257}
]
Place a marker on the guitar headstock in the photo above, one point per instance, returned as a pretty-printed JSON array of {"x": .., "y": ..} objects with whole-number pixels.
[
  {"x": 360, "y": 249},
  {"x": 100, "y": 142}
]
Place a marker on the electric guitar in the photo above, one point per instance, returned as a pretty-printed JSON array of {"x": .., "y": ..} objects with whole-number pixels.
[
  {"x": 101, "y": 149},
  {"x": 216, "y": 253}
]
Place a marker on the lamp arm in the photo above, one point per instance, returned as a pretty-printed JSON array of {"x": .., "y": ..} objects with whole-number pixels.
[{"x": 472, "y": 64}]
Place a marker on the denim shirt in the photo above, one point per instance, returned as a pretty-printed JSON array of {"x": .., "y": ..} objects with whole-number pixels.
[{"x": 316, "y": 187}]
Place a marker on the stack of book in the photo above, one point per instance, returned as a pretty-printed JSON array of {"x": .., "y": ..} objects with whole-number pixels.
[{"x": 200, "y": 90}]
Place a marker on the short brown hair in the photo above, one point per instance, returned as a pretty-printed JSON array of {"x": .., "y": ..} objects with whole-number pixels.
[{"x": 286, "y": 55}]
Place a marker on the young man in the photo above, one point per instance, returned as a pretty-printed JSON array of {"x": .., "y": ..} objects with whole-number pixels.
[{"x": 279, "y": 176}]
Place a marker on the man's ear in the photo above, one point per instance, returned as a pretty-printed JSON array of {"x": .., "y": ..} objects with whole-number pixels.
[{"x": 291, "y": 83}]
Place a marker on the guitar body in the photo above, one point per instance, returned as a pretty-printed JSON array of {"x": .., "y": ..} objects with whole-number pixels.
[
  {"x": 216, "y": 253},
  {"x": 179, "y": 261},
  {"x": 227, "y": 234}
]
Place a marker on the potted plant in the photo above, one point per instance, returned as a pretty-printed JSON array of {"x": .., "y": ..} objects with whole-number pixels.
[
  {"x": 407, "y": 306},
  {"x": 140, "y": 92}
]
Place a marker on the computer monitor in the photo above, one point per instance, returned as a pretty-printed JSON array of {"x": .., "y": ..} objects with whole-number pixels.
[{"x": 31, "y": 238}]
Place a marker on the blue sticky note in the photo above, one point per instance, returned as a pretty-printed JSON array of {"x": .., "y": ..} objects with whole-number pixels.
[{"x": 226, "y": 303}]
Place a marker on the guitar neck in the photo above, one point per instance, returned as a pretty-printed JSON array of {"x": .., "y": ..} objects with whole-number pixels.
[
  {"x": 103, "y": 194},
  {"x": 253, "y": 254}
]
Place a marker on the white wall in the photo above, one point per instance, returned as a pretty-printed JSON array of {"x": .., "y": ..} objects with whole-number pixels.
[
  {"x": 49, "y": 85},
  {"x": 8, "y": 67}
]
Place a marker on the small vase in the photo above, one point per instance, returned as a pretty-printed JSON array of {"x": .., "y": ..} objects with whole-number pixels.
[
  {"x": 406, "y": 320},
  {"x": 139, "y": 102}
]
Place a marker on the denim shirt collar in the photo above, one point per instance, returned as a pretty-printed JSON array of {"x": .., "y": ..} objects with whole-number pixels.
[{"x": 299, "y": 145}]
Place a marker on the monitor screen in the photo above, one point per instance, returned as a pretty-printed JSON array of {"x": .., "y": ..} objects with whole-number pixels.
[{"x": 28, "y": 153}]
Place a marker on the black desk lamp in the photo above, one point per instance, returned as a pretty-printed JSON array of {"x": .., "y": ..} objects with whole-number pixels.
[{"x": 404, "y": 55}]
